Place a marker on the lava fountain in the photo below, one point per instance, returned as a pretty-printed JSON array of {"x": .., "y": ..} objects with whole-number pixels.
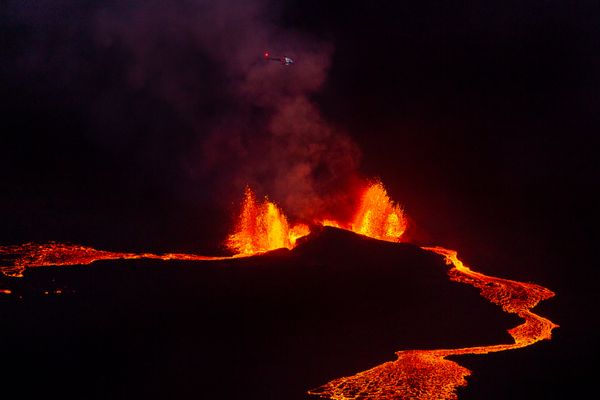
[
  {"x": 378, "y": 216},
  {"x": 261, "y": 227}
]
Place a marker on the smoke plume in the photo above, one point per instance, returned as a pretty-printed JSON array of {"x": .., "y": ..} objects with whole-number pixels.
[{"x": 186, "y": 81}]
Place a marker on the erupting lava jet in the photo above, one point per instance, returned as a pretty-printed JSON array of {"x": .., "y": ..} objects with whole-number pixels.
[{"x": 283, "y": 60}]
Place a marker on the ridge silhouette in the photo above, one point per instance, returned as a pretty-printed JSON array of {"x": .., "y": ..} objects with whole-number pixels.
[{"x": 270, "y": 326}]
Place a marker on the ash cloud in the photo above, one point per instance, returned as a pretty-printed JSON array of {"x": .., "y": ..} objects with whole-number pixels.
[{"x": 184, "y": 84}]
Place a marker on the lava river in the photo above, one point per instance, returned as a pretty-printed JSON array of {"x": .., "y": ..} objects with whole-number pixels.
[{"x": 427, "y": 374}]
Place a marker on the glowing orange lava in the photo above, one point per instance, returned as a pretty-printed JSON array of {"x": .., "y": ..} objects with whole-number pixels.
[
  {"x": 330, "y": 222},
  {"x": 378, "y": 216},
  {"x": 261, "y": 227},
  {"x": 15, "y": 259},
  {"x": 427, "y": 374}
]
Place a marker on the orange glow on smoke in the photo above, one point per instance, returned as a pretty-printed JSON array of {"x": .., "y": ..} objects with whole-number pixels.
[
  {"x": 378, "y": 216},
  {"x": 261, "y": 227}
]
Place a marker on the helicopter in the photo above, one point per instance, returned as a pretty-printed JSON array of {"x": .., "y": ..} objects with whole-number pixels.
[{"x": 283, "y": 60}]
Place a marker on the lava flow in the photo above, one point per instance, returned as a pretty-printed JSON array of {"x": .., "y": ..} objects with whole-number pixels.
[
  {"x": 262, "y": 226},
  {"x": 427, "y": 374},
  {"x": 14, "y": 260}
]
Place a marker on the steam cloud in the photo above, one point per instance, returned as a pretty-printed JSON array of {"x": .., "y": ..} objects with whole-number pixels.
[{"x": 237, "y": 119}]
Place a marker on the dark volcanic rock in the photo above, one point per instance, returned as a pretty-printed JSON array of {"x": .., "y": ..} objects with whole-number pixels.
[{"x": 266, "y": 327}]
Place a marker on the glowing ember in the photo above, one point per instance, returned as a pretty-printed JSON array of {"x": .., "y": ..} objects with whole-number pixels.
[
  {"x": 427, "y": 374},
  {"x": 263, "y": 227},
  {"x": 378, "y": 216}
]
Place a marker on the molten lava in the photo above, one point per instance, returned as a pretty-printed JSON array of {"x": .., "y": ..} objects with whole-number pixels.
[
  {"x": 427, "y": 374},
  {"x": 15, "y": 259},
  {"x": 378, "y": 216},
  {"x": 261, "y": 227}
]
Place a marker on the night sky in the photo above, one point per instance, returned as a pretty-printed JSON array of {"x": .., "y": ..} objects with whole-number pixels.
[{"x": 135, "y": 125}]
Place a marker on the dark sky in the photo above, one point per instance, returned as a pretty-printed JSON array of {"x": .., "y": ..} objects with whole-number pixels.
[{"x": 135, "y": 125}]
